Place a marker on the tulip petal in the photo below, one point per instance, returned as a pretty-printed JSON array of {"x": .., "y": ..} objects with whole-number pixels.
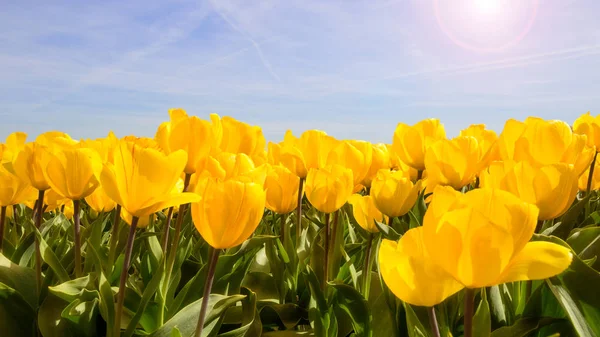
[
  {"x": 538, "y": 260},
  {"x": 411, "y": 274}
]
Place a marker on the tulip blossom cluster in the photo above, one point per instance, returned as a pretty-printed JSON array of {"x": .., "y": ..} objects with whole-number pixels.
[{"x": 485, "y": 195}]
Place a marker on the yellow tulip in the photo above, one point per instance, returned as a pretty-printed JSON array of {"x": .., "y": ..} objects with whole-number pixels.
[
  {"x": 56, "y": 139},
  {"x": 589, "y": 126},
  {"x": 68, "y": 210},
  {"x": 14, "y": 143},
  {"x": 282, "y": 190},
  {"x": 454, "y": 162},
  {"x": 552, "y": 188},
  {"x": 398, "y": 165},
  {"x": 487, "y": 140},
  {"x": 411, "y": 142},
  {"x": 239, "y": 137},
  {"x": 481, "y": 238},
  {"x": 411, "y": 274},
  {"x": 227, "y": 165},
  {"x": 394, "y": 193},
  {"x": 353, "y": 154},
  {"x": 309, "y": 151},
  {"x": 99, "y": 201},
  {"x": 365, "y": 212},
  {"x": 544, "y": 142},
  {"x": 228, "y": 211},
  {"x": 14, "y": 190},
  {"x": 141, "y": 180},
  {"x": 30, "y": 163},
  {"x": 105, "y": 147},
  {"x": 380, "y": 160},
  {"x": 583, "y": 178},
  {"x": 195, "y": 136},
  {"x": 73, "y": 173},
  {"x": 328, "y": 188}
]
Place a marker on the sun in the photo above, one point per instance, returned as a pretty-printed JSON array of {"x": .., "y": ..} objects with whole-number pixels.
[{"x": 488, "y": 6}]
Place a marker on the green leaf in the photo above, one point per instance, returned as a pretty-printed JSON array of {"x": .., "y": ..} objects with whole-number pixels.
[
  {"x": 353, "y": 303},
  {"x": 72, "y": 289},
  {"x": 577, "y": 291},
  {"x": 82, "y": 316},
  {"x": 387, "y": 232},
  {"x": 50, "y": 258},
  {"x": 50, "y": 320},
  {"x": 586, "y": 243},
  {"x": 149, "y": 292},
  {"x": 523, "y": 327},
  {"x": 482, "y": 324},
  {"x": 186, "y": 319},
  {"x": 16, "y": 315},
  {"x": 263, "y": 285},
  {"x": 251, "y": 324},
  {"x": 413, "y": 324},
  {"x": 19, "y": 278}
]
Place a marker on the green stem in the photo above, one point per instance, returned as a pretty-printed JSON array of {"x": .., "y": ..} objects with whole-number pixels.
[
  {"x": 367, "y": 268},
  {"x": 299, "y": 213},
  {"x": 433, "y": 322},
  {"x": 114, "y": 238},
  {"x": 123, "y": 278},
  {"x": 166, "y": 230},
  {"x": 172, "y": 252},
  {"x": 528, "y": 290},
  {"x": 283, "y": 229},
  {"x": 214, "y": 257},
  {"x": 77, "y": 238},
  {"x": 2, "y": 219},
  {"x": 326, "y": 244},
  {"x": 38, "y": 256},
  {"x": 591, "y": 174},
  {"x": 469, "y": 304}
]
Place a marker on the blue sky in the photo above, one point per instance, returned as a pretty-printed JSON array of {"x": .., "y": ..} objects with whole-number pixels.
[{"x": 352, "y": 68}]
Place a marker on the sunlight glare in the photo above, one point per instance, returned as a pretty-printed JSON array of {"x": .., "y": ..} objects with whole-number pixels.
[{"x": 487, "y": 6}]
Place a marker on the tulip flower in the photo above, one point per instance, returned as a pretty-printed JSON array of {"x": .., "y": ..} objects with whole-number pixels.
[
  {"x": 454, "y": 162},
  {"x": 195, "y": 136},
  {"x": 29, "y": 165},
  {"x": 73, "y": 173},
  {"x": 411, "y": 274},
  {"x": 365, "y": 212},
  {"x": 589, "y": 125},
  {"x": 355, "y": 155},
  {"x": 552, "y": 188},
  {"x": 14, "y": 143},
  {"x": 99, "y": 201},
  {"x": 380, "y": 160},
  {"x": 394, "y": 193},
  {"x": 141, "y": 180},
  {"x": 411, "y": 142},
  {"x": 542, "y": 142},
  {"x": 328, "y": 188},
  {"x": 396, "y": 164},
  {"x": 309, "y": 151},
  {"x": 481, "y": 238},
  {"x": 105, "y": 147},
  {"x": 239, "y": 137},
  {"x": 226, "y": 215},
  {"x": 487, "y": 141},
  {"x": 594, "y": 182},
  {"x": 282, "y": 188},
  {"x": 56, "y": 139},
  {"x": 13, "y": 190}
]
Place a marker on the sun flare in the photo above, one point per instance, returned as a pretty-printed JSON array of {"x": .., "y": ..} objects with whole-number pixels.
[{"x": 487, "y": 6}]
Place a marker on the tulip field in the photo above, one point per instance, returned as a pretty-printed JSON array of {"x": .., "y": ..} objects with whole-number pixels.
[{"x": 206, "y": 229}]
